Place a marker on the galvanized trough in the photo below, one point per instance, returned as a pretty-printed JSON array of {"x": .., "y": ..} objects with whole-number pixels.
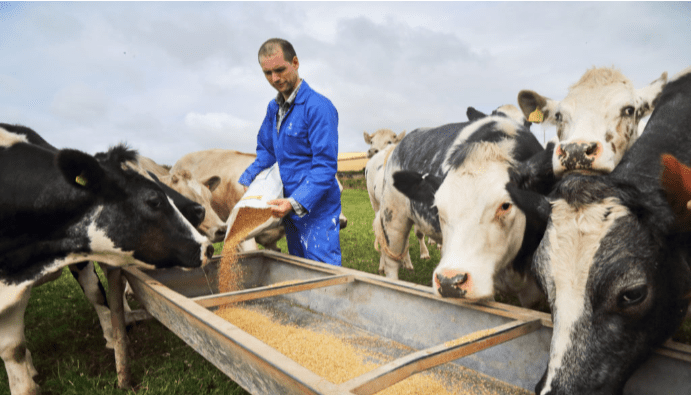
[{"x": 473, "y": 347}]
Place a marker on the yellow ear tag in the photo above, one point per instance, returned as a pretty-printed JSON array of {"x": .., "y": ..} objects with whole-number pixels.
[
  {"x": 536, "y": 116},
  {"x": 81, "y": 180}
]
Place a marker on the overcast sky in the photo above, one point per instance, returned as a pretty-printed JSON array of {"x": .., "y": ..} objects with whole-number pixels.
[{"x": 170, "y": 78}]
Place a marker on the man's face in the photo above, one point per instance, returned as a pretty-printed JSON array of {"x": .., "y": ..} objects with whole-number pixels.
[{"x": 282, "y": 75}]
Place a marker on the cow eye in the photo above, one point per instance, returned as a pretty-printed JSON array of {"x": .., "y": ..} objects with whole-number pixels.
[
  {"x": 628, "y": 111},
  {"x": 633, "y": 296},
  {"x": 503, "y": 209},
  {"x": 558, "y": 117},
  {"x": 155, "y": 202}
]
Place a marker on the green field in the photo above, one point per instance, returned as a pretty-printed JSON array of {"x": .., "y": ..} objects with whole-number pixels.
[{"x": 69, "y": 351}]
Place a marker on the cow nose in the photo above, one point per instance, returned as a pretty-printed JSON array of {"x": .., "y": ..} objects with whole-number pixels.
[
  {"x": 209, "y": 251},
  {"x": 579, "y": 155},
  {"x": 221, "y": 232},
  {"x": 371, "y": 152},
  {"x": 449, "y": 283}
]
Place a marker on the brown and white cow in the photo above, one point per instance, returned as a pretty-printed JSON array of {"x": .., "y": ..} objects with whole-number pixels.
[
  {"x": 382, "y": 142},
  {"x": 597, "y": 121},
  {"x": 223, "y": 168}
]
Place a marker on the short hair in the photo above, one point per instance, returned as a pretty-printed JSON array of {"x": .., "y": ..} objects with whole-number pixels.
[{"x": 270, "y": 45}]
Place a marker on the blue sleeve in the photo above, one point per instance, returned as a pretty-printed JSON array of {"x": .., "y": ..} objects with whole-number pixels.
[
  {"x": 323, "y": 138},
  {"x": 265, "y": 151}
]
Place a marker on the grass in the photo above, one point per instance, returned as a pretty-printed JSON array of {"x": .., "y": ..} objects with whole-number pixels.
[{"x": 69, "y": 351}]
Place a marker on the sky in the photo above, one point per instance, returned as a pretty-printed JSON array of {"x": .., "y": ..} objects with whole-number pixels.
[{"x": 169, "y": 78}]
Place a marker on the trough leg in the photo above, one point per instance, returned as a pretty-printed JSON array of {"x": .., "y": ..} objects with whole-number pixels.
[{"x": 116, "y": 292}]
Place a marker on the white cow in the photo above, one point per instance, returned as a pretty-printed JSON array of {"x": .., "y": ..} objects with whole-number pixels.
[
  {"x": 381, "y": 139},
  {"x": 382, "y": 142},
  {"x": 597, "y": 121}
]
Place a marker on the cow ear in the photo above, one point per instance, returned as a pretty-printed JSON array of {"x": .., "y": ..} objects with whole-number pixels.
[
  {"x": 473, "y": 114},
  {"x": 676, "y": 182},
  {"x": 535, "y": 206},
  {"x": 537, "y": 173},
  {"x": 153, "y": 176},
  {"x": 646, "y": 98},
  {"x": 368, "y": 138},
  {"x": 416, "y": 186},
  {"x": 212, "y": 183},
  {"x": 80, "y": 169},
  {"x": 529, "y": 101},
  {"x": 400, "y": 136}
]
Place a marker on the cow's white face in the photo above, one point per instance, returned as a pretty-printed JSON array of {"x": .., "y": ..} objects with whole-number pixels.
[
  {"x": 597, "y": 122},
  {"x": 563, "y": 262},
  {"x": 381, "y": 139},
  {"x": 183, "y": 182},
  {"x": 481, "y": 228}
]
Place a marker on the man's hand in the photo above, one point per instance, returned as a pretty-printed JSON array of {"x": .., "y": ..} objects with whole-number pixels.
[{"x": 280, "y": 207}]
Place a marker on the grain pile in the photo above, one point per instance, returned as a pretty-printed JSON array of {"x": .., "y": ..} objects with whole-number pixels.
[
  {"x": 329, "y": 356},
  {"x": 247, "y": 219}
]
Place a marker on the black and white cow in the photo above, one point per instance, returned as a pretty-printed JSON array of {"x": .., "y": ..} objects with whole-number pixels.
[
  {"x": 84, "y": 272},
  {"x": 450, "y": 182},
  {"x": 614, "y": 261},
  {"x": 65, "y": 207}
]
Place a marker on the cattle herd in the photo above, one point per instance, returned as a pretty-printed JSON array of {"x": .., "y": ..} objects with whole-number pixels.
[{"x": 596, "y": 222}]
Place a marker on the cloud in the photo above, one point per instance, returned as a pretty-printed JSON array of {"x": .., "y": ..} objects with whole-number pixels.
[
  {"x": 173, "y": 77},
  {"x": 215, "y": 122},
  {"x": 81, "y": 104}
]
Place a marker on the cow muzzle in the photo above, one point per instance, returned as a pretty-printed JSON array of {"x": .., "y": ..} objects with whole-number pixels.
[
  {"x": 450, "y": 283},
  {"x": 579, "y": 155}
]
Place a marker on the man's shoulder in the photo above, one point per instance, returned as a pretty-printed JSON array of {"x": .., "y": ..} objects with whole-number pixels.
[{"x": 312, "y": 97}]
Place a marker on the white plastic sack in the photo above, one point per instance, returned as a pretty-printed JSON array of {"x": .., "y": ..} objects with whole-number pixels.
[{"x": 267, "y": 185}]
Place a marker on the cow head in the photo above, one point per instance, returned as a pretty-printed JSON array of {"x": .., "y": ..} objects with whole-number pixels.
[
  {"x": 482, "y": 230},
  {"x": 616, "y": 277},
  {"x": 381, "y": 139},
  {"x": 597, "y": 122},
  {"x": 191, "y": 211},
  {"x": 507, "y": 110},
  {"x": 183, "y": 182},
  {"x": 132, "y": 214}
]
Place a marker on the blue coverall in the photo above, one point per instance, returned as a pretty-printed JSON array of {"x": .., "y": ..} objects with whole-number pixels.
[{"x": 306, "y": 148}]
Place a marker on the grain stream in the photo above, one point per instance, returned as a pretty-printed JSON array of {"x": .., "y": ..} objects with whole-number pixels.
[{"x": 230, "y": 275}]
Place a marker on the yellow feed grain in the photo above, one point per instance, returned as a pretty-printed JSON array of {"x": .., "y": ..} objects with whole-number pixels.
[
  {"x": 247, "y": 219},
  {"x": 326, "y": 355}
]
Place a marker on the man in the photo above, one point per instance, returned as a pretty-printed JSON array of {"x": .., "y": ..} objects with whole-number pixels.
[{"x": 300, "y": 132}]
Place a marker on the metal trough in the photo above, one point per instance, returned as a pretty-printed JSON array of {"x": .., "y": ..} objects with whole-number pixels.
[{"x": 504, "y": 347}]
